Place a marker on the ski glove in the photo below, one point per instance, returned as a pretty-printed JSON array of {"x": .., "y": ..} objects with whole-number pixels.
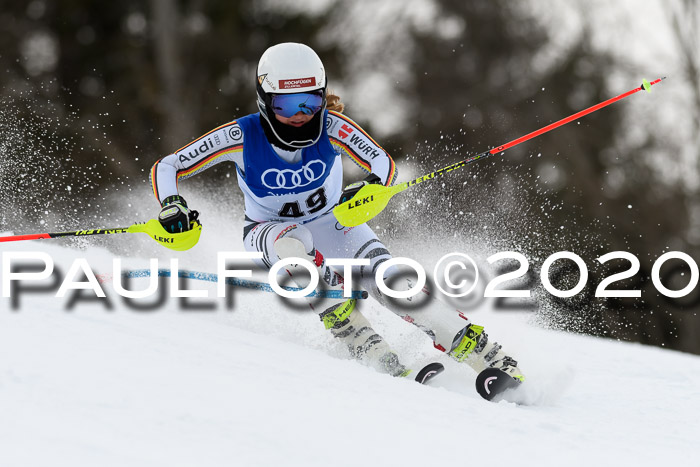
[
  {"x": 352, "y": 189},
  {"x": 175, "y": 217}
]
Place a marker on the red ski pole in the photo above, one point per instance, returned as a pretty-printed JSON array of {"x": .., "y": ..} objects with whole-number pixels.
[{"x": 372, "y": 199}]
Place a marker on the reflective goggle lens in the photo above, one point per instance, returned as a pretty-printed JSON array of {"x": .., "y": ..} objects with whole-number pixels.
[{"x": 287, "y": 105}]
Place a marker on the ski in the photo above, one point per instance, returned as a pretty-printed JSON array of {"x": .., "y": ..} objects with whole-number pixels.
[
  {"x": 429, "y": 371},
  {"x": 492, "y": 383}
]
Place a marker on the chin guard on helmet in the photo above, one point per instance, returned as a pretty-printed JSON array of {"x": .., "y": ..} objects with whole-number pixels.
[{"x": 291, "y": 68}]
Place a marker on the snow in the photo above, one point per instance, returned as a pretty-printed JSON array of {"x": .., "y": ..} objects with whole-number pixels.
[{"x": 260, "y": 384}]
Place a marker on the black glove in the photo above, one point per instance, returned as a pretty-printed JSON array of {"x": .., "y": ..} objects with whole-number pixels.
[
  {"x": 175, "y": 217},
  {"x": 352, "y": 189}
]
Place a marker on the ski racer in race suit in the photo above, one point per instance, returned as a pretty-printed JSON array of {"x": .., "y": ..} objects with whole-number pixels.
[{"x": 288, "y": 163}]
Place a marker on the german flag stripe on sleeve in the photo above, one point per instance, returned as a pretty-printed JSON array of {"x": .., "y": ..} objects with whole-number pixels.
[
  {"x": 205, "y": 135},
  {"x": 210, "y": 160},
  {"x": 361, "y": 162},
  {"x": 348, "y": 120},
  {"x": 392, "y": 172},
  {"x": 357, "y": 157},
  {"x": 154, "y": 184}
]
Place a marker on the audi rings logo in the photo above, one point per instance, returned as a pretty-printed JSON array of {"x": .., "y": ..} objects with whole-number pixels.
[{"x": 276, "y": 179}]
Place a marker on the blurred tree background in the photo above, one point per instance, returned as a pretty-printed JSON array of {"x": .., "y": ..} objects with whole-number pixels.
[{"x": 92, "y": 93}]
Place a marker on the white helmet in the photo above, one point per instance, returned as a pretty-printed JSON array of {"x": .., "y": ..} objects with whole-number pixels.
[{"x": 290, "y": 68}]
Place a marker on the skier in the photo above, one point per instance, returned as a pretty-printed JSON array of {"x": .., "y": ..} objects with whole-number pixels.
[{"x": 288, "y": 163}]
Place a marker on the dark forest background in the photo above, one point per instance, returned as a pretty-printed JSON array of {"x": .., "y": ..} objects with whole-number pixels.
[{"x": 92, "y": 93}]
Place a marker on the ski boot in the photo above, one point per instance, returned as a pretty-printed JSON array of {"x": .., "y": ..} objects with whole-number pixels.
[
  {"x": 472, "y": 346},
  {"x": 346, "y": 322}
]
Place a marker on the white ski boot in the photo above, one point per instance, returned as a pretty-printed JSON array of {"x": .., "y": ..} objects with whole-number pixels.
[
  {"x": 344, "y": 320},
  {"x": 472, "y": 346}
]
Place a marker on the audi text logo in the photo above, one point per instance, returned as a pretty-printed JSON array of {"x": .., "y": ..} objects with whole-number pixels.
[{"x": 276, "y": 179}]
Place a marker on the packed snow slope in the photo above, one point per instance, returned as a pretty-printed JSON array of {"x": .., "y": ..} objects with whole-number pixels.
[{"x": 262, "y": 383}]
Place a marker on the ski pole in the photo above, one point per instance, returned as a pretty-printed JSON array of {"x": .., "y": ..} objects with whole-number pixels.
[
  {"x": 174, "y": 241},
  {"x": 372, "y": 199},
  {"x": 75, "y": 233},
  {"x": 235, "y": 281}
]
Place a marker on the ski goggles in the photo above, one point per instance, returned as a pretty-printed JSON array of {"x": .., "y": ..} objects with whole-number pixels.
[{"x": 288, "y": 105}]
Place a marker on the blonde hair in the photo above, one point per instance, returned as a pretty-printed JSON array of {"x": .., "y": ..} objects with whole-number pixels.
[{"x": 333, "y": 102}]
